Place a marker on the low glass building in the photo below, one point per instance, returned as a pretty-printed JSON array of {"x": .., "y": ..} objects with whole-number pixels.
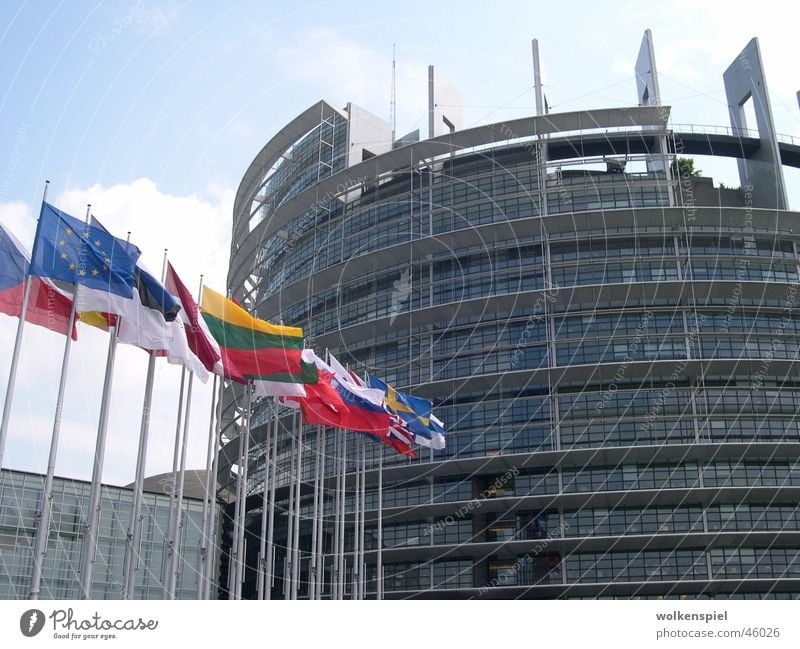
[{"x": 20, "y": 498}]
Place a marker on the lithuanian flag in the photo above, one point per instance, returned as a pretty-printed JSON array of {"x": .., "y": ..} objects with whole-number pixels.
[{"x": 253, "y": 349}]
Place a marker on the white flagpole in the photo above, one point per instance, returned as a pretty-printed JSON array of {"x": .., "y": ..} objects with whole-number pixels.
[
  {"x": 43, "y": 515},
  {"x": 90, "y": 538},
  {"x": 173, "y": 481},
  {"x": 337, "y": 494},
  {"x": 240, "y": 554},
  {"x": 379, "y": 567},
  {"x": 356, "y": 523},
  {"x": 287, "y": 563},
  {"x": 177, "y": 521},
  {"x": 12, "y": 373},
  {"x": 362, "y": 565},
  {"x": 262, "y": 542},
  {"x": 270, "y": 577},
  {"x": 343, "y": 505},
  {"x": 207, "y": 498},
  {"x": 298, "y": 476},
  {"x": 211, "y": 530},
  {"x": 320, "y": 565},
  {"x": 312, "y": 563},
  {"x": 133, "y": 536},
  {"x": 232, "y": 565}
]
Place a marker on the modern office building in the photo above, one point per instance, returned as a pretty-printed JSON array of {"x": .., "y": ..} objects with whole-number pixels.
[
  {"x": 611, "y": 343},
  {"x": 20, "y": 498}
]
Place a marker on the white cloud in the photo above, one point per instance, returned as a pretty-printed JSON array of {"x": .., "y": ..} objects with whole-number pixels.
[{"x": 196, "y": 229}]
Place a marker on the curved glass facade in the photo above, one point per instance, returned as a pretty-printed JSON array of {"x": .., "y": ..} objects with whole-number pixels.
[{"x": 617, "y": 372}]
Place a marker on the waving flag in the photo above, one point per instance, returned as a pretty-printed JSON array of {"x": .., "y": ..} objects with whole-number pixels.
[
  {"x": 87, "y": 256},
  {"x": 199, "y": 338},
  {"x": 253, "y": 349},
  {"x": 48, "y": 306},
  {"x": 414, "y": 414}
]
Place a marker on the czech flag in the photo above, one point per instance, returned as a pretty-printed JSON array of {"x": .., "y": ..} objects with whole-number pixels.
[{"x": 48, "y": 306}]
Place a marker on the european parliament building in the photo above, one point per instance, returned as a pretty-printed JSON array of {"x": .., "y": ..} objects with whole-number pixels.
[{"x": 611, "y": 342}]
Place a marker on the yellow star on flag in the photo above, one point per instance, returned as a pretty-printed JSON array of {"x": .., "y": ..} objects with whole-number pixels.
[
  {"x": 97, "y": 243},
  {"x": 63, "y": 255},
  {"x": 72, "y": 266},
  {"x": 82, "y": 272},
  {"x": 95, "y": 272},
  {"x": 69, "y": 231},
  {"x": 61, "y": 243}
]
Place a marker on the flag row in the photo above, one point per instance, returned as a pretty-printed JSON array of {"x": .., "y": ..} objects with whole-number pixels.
[{"x": 78, "y": 270}]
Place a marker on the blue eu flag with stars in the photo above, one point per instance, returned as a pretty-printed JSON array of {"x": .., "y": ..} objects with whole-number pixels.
[{"x": 67, "y": 249}]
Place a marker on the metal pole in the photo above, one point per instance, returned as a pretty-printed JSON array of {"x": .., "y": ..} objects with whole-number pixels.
[
  {"x": 211, "y": 530},
  {"x": 240, "y": 558},
  {"x": 320, "y": 565},
  {"x": 134, "y": 533},
  {"x": 134, "y": 526},
  {"x": 356, "y": 524},
  {"x": 262, "y": 547},
  {"x": 343, "y": 504},
  {"x": 177, "y": 523},
  {"x": 12, "y": 373},
  {"x": 363, "y": 583},
  {"x": 379, "y": 569},
  {"x": 207, "y": 499},
  {"x": 90, "y": 538},
  {"x": 299, "y": 477},
  {"x": 173, "y": 480},
  {"x": 43, "y": 523},
  {"x": 337, "y": 494},
  {"x": 270, "y": 577},
  {"x": 312, "y": 563},
  {"x": 287, "y": 564}
]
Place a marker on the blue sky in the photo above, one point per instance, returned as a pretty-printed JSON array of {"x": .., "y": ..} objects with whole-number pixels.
[{"x": 152, "y": 110}]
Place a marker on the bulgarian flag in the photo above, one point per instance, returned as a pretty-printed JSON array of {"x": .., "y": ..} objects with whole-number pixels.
[{"x": 253, "y": 349}]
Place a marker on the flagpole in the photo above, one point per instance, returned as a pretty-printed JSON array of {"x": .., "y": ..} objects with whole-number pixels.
[
  {"x": 262, "y": 547},
  {"x": 177, "y": 522},
  {"x": 379, "y": 567},
  {"x": 12, "y": 373},
  {"x": 133, "y": 536},
  {"x": 287, "y": 563},
  {"x": 201, "y": 572},
  {"x": 211, "y": 531},
  {"x": 362, "y": 566},
  {"x": 240, "y": 558},
  {"x": 320, "y": 565},
  {"x": 90, "y": 539},
  {"x": 43, "y": 516},
  {"x": 343, "y": 505},
  {"x": 356, "y": 524},
  {"x": 173, "y": 480},
  {"x": 298, "y": 475},
  {"x": 312, "y": 563},
  {"x": 270, "y": 577},
  {"x": 337, "y": 447}
]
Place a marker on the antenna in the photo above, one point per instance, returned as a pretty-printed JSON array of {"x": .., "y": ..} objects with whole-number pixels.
[{"x": 393, "y": 101}]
